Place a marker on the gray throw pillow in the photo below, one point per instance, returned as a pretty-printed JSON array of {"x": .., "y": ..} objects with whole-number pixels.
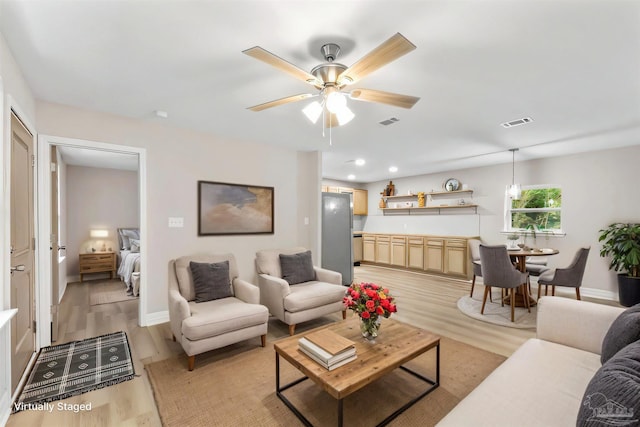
[
  {"x": 297, "y": 268},
  {"x": 211, "y": 281},
  {"x": 612, "y": 397},
  {"x": 623, "y": 331}
]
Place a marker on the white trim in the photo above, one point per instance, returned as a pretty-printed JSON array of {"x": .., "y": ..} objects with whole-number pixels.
[
  {"x": 5, "y": 348},
  {"x": 598, "y": 293},
  {"x": 157, "y": 318},
  {"x": 45, "y": 141}
]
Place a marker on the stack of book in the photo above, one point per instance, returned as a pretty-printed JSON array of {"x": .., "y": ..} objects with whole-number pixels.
[{"x": 327, "y": 348}]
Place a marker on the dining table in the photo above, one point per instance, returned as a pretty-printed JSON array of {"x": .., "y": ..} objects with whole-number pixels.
[{"x": 519, "y": 256}]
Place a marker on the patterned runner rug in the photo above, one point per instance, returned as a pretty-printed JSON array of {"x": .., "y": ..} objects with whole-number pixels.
[{"x": 77, "y": 367}]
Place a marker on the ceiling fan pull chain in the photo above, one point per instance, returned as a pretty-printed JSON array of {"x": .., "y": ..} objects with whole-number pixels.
[{"x": 330, "y": 141}]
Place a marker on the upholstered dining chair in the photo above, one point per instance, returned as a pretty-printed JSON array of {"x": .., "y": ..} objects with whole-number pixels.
[
  {"x": 474, "y": 253},
  {"x": 499, "y": 272},
  {"x": 570, "y": 276}
]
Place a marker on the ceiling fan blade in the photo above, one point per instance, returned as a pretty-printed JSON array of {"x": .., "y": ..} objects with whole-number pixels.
[
  {"x": 371, "y": 95},
  {"x": 275, "y": 61},
  {"x": 280, "y": 101},
  {"x": 390, "y": 50}
]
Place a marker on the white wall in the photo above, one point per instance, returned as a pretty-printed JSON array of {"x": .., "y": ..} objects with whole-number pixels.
[
  {"x": 597, "y": 189},
  {"x": 98, "y": 198},
  {"x": 176, "y": 160}
]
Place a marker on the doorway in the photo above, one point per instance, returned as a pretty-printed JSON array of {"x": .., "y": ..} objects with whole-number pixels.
[{"x": 98, "y": 152}]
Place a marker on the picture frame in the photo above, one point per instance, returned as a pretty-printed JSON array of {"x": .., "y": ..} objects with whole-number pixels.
[{"x": 228, "y": 209}]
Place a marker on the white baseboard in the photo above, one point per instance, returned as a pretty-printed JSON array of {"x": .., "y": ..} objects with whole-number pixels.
[
  {"x": 156, "y": 318},
  {"x": 598, "y": 293},
  {"x": 5, "y": 412}
]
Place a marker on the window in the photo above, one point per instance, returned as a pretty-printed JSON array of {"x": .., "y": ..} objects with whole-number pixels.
[{"x": 538, "y": 209}]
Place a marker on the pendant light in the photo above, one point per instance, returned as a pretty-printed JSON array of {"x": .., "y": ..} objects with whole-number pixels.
[{"x": 514, "y": 189}]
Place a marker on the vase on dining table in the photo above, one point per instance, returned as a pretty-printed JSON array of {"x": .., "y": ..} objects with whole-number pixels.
[{"x": 370, "y": 327}]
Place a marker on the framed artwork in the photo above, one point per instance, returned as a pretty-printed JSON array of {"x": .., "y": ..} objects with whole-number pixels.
[{"x": 234, "y": 209}]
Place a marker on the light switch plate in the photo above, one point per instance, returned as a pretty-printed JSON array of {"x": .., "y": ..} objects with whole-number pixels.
[{"x": 176, "y": 222}]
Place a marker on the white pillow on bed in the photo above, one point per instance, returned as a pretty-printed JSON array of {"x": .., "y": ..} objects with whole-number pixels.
[
  {"x": 126, "y": 235},
  {"x": 135, "y": 245}
]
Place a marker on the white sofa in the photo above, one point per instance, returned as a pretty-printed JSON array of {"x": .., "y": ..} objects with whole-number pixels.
[{"x": 543, "y": 382}]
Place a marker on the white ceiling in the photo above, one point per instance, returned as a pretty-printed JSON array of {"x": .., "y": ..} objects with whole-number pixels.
[{"x": 572, "y": 66}]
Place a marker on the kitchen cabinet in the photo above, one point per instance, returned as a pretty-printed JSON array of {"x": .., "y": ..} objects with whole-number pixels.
[
  {"x": 369, "y": 247},
  {"x": 383, "y": 249},
  {"x": 447, "y": 255},
  {"x": 399, "y": 251},
  {"x": 434, "y": 255},
  {"x": 415, "y": 252},
  {"x": 360, "y": 202},
  {"x": 456, "y": 259}
]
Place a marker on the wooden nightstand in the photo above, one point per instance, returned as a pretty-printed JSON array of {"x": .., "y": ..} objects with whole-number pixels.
[{"x": 98, "y": 262}]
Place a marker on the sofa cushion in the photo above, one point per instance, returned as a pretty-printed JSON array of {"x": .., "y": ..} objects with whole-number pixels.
[
  {"x": 622, "y": 332},
  {"x": 268, "y": 260},
  {"x": 210, "y": 280},
  {"x": 297, "y": 268},
  {"x": 221, "y": 316},
  {"x": 312, "y": 294},
  {"x": 541, "y": 384},
  {"x": 183, "y": 272},
  {"x": 613, "y": 395}
]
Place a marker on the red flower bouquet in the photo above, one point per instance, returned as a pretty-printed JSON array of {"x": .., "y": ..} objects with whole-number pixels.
[{"x": 371, "y": 302}]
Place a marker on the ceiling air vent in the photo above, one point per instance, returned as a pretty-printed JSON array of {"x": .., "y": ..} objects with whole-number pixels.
[
  {"x": 518, "y": 122},
  {"x": 389, "y": 121}
]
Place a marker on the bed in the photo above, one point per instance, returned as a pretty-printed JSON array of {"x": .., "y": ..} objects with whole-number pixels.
[{"x": 129, "y": 259}]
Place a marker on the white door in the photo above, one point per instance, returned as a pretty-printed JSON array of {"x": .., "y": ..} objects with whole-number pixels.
[
  {"x": 55, "y": 245},
  {"x": 22, "y": 250}
]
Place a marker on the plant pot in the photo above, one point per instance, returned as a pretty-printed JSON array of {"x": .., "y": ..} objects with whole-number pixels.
[{"x": 628, "y": 290}]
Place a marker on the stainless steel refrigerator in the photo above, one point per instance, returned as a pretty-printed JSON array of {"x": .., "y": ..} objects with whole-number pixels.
[{"x": 337, "y": 234}]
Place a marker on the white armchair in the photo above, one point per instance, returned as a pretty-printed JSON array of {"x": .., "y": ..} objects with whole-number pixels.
[
  {"x": 205, "y": 326},
  {"x": 299, "y": 302}
]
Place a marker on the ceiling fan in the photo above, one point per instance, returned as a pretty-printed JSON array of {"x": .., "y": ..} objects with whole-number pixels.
[{"x": 330, "y": 78}]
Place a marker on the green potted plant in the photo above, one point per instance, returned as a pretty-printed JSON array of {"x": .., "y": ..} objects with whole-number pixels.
[{"x": 622, "y": 244}]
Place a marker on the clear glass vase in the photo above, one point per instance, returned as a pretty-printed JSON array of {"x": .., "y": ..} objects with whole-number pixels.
[{"x": 370, "y": 327}]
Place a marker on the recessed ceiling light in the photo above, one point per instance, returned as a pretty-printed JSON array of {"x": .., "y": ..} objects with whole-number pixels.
[
  {"x": 360, "y": 162},
  {"x": 161, "y": 114},
  {"x": 351, "y": 177},
  {"x": 393, "y": 169}
]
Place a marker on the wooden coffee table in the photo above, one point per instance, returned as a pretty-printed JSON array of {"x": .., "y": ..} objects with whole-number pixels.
[{"x": 397, "y": 344}]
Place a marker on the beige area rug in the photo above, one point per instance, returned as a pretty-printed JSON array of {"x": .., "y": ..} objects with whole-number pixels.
[
  {"x": 235, "y": 386},
  {"x": 497, "y": 314},
  {"x": 107, "y": 291}
]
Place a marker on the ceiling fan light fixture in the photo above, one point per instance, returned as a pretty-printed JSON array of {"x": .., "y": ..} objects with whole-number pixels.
[
  {"x": 313, "y": 111},
  {"x": 336, "y": 101},
  {"x": 344, "y": 115}
]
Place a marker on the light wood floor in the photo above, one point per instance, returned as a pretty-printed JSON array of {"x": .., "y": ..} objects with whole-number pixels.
[{"x": 423, "y": 300}]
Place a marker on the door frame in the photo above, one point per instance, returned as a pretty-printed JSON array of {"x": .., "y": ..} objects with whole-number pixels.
[{"x": 44, "y": 218}]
